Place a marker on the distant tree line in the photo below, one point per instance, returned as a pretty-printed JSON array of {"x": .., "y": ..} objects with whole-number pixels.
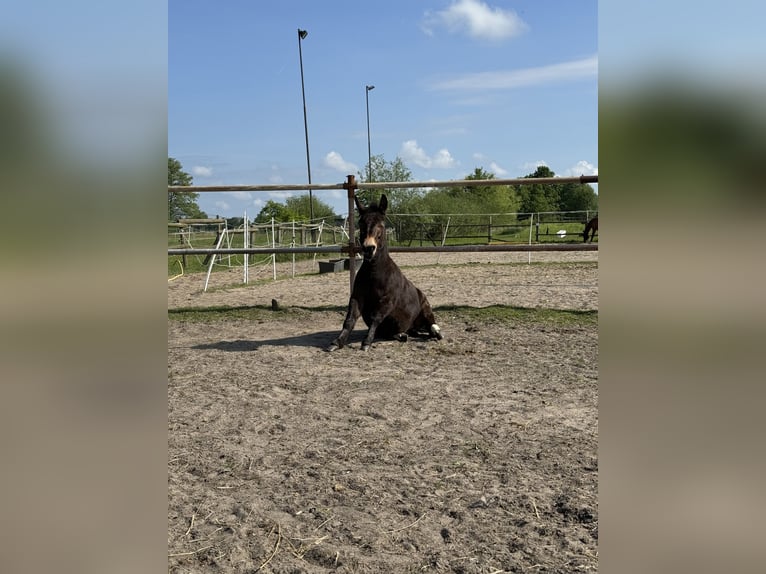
[
  {"x": 468, "y": 199},
  {"x": 471, "y": 199},
  {"x": 182, "y": 205}
]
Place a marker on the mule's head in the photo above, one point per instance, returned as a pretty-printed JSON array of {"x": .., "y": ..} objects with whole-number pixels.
[{"x": 372, "y": 227}]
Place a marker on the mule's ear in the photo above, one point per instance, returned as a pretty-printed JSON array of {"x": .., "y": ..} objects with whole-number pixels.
[
  {"x": 383, "y": 203},
  {"x": 358, "y": 205}
]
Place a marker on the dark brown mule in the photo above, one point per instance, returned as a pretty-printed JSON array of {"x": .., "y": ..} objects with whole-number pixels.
[
  {"x": 391, "y": 306},
  {"x": 591, "y": 227}
]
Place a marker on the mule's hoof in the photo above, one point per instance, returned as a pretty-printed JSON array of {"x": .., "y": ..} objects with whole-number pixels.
[
  {"x": 436, "y": 331},
  {"x": 366, "y": 347},
  {"x": 401, "y": 337},
  {"x": 332, "y": 347}
]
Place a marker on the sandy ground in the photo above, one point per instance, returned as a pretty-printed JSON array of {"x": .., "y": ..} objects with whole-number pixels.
[
  {"x": 474, "y": 454},
  {"x": 446, "y": 278}
]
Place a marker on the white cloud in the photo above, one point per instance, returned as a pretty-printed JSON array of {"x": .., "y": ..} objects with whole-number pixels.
[
  {"x": 581, "y": 168},
  {"x": 335, "y": 161},
  {"x": 497, "y": 170},
  {"x": 412, "y": 152},
  {"x": 493, "y": 166},
  {"x": 477, "y": 19},
  {"x": 525, "y": 77},
  {"x": 531, "y": 166},
  {"x": 240, "y": 195},
  {"x": 336, "y": 194},
  {"x": 274, "y": 174},
  {"x": 223, "y": 206},
  {"x": 443, "y": 159},
  {"x": 280, "y": 195},
  {"x": 202, "y": 171}
]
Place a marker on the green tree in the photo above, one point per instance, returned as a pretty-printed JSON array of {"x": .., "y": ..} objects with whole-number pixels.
[
  {"x": 492, "y": 198},
  {"x": 277, "y": 211},
  {"x": 536, "y": 198},
  {"x": 181, "y": 205},
  {"x": 295, "y": 209},
  {"x": 475, "y": 190},
  {"x": 300, "y": 205},
  {"x": 555, "y": 197},
  {"x": 473, "y": 198},
  {"x": 400, "y": 200},
  {"x": 578, "y": 197},
  {"x": 470, "y": 202}
]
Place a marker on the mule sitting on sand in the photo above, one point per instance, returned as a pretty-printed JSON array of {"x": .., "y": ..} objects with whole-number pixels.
[{"x": 391, "y": 306}]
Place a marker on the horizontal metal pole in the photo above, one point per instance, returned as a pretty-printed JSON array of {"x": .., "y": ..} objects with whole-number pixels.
[
  {"x": 384, "y": 184},
  {"x": 427, "y": 249},
  {"x": 256, "y": 250},
  {"x": 510, "y": 247},
  {"x": 206, "y": 221},
  {"x": 481, "y": 182},
  {"x": 281, "y": 187}
]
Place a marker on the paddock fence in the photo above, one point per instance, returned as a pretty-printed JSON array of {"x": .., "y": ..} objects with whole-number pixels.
[{"x": 501, "y": 234}]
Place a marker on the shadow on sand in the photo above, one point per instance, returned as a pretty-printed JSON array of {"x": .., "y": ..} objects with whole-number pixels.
[{"x": 319, "y": 340}]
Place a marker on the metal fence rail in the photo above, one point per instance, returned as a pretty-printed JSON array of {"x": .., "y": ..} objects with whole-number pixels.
[
  {"x": 351, "y": 185},
  {"x": 382, "y": 185},
  {"x": 393, "y": 249}
]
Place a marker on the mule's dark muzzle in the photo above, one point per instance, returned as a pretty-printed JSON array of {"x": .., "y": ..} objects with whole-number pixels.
[{"x": 369, "y": 251}]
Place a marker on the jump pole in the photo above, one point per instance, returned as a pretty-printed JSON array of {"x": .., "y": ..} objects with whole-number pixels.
[
  {"x": 246, "y": 244},
  {"x": 273, "y": 255},
  {"x": 529, "y": 255}
]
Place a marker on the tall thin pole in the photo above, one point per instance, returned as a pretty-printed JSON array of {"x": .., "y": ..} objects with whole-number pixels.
[
  {"x": 301, "y": 35},
  {"x": 369, "y": 152}
]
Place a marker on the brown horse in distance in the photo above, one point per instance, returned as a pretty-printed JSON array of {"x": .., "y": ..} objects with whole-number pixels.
[
  {"x": 592, "y": 228},
  {"x": 391, "y": 306}
]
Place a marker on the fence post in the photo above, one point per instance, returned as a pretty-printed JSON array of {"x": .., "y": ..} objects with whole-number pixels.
[
  {"x": 351, "y": 187},
  {"x": 273, "y": 255},
  {"x": 489, "y": 231}
]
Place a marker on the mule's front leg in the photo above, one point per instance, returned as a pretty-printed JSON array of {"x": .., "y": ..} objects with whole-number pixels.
[
  {"x": 348, "y": 325},
  {"x": 370, "y": 335},
  {"x": 375, "y": 322}
]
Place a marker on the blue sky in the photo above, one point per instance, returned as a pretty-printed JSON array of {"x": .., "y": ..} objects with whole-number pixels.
[{"x": 459, "y": 84}]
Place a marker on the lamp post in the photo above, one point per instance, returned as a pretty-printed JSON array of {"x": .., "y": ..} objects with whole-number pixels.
[
  {"x": 369, "y": 153},
  {"x": 301, "y": 35}
]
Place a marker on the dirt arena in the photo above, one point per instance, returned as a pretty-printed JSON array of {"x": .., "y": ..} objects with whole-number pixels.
[{"x": 474, "y": 454}]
